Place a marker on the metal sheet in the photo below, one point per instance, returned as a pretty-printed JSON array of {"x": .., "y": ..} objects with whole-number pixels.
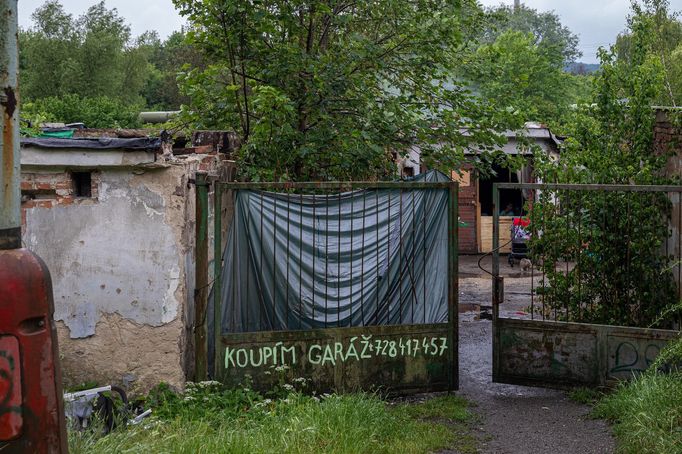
[
  {"x": 399, "y": 359},
  {"x": 559, "y": 354}
]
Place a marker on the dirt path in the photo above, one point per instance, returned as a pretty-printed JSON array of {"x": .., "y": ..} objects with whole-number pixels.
[{"x": 518, "y": 419}]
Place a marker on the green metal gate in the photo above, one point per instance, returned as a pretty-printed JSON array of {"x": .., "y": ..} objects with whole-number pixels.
[
  {"x": 544, "y": 332},
  {"x": 399, "y": 354}
]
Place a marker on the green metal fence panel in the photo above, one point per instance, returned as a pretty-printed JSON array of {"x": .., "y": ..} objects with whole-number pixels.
[{"x": 398, "y": 344}]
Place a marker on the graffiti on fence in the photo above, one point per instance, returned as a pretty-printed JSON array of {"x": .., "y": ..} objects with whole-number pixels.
[
  {"x": 357, "y": 348},
  {"x": 631, "y": 356}
]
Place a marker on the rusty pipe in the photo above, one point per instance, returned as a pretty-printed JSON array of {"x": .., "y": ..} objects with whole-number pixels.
[{"x": 10, "y": 195}]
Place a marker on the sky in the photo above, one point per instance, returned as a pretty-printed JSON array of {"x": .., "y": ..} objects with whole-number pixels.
[{"x": 596, "y": 22}]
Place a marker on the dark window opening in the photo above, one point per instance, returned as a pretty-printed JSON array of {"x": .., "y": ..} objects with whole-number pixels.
[
  {"x": 408, "y": 172},
  {"x": 511, "y": 200},
  {"x": 82, "y": 184}
]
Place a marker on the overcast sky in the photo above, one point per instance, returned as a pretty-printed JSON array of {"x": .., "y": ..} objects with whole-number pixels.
[{"x": 596, "y": 22}]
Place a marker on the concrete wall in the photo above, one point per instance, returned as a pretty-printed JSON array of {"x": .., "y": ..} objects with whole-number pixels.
[{"x": 122, "y": 265}]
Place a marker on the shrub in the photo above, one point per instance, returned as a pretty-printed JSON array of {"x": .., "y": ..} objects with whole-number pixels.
[{"x": 96, "y": 112}]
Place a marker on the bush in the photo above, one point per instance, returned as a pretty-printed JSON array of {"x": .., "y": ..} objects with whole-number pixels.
[
  {"x": 97, "y": 112},
  {"x": 612, "y": 243}
]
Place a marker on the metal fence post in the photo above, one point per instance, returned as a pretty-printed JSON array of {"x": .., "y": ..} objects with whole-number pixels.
[
  {"x": 217, "y": 270},
  {"x": 497, "y": 282},
  {"x": 453, "y": 319},
  {"x": 201, "y": 276}
]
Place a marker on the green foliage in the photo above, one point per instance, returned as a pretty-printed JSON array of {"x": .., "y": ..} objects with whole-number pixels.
[
  {"x": 664, "y": 42},
  {"x": 448, "y": 407},
  {"x": 211, "y": 418},
  {"x": 521, "y": 65},
  {"x": 327, "y": 91},
  {"x": 167, "y": 58},
  {"x": 585, "y": 396},
  {"x": 516, "y": 72},
  {"x": 611, "y": 243},
  {"x": 90, "y": 55},
  {"x": 97, "y": 112},
  {"x": 545, "y": 29},
  {"x": 94, "y": 58},
  {"x": 619, "y": 274},
  {"x": 646, "y": 413}
]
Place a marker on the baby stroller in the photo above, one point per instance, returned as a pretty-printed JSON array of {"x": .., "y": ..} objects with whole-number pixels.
[{"x": 519, "y": 238}]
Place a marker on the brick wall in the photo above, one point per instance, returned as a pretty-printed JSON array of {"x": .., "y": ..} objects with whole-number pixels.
[
  {"x": 45, "y": 190},
  {"x": 668, "y": 138}
]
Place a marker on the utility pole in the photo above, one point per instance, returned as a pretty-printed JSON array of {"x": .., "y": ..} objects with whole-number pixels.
[
  {"x": 10, "y": 214},
  {"x": 31, "y": 407},
  {"x": 517, "y": 5}
]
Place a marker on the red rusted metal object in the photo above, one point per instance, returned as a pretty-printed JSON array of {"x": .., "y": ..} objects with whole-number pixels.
[{"x": 31, "y": 407}]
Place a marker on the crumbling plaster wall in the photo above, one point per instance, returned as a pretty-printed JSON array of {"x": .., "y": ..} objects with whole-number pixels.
[{"x": 122, "y": 273}]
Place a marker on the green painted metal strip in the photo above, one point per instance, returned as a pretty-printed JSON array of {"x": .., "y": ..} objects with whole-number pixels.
[
  {"x": 217, "y": 270},
  {"x": 340, "y": 185},
  {"x": 591, "y": 187},
  {"x": 201, "y": 277}
]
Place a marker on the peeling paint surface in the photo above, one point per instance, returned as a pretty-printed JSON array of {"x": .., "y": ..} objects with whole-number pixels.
[{"x": 118, "y": 254}]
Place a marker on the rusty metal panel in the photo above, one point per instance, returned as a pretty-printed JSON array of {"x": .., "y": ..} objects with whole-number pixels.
[
  {"x": 30, "y": 376},
  {"x": 11, "y": 416},
  {"x": 10, "y": 196},
  {"x": 559, "y": 354},
  {"x": 398, "y": 359}
]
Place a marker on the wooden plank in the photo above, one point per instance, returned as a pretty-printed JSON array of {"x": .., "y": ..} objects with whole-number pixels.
[{"x": 486, "y": 242}]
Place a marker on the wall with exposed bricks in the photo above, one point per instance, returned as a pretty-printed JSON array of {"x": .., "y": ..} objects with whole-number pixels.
[{"x": 122, "y": 266}]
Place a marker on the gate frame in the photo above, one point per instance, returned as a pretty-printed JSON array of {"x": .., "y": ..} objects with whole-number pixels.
[
  {"x": 600, "y": 332},
  {"x": 220, "y": 187}
]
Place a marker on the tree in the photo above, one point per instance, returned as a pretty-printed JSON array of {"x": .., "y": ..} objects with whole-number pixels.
[
  {"x": 322, "y": 89},
  {"x": 46, "y": 51},
  {"x": 517, "y": 73},
  {"x": 548, "y": 34},
  {"x": 665, "y": 42},
  {"x": 621, "y": 276},
  {"x": 91, "y": 56},
  {"x": 167, "y": 59},
  {"x": 520, "y": 64}
]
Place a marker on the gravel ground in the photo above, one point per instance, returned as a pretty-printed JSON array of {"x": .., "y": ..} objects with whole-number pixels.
[{"x": 516, "y": 419}]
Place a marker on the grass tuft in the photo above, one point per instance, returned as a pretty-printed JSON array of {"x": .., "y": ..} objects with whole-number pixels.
[
  {"x": 586, "y": 396},
  {"x": 210, "y": 418},
  {"x": 647, "y": 414}
]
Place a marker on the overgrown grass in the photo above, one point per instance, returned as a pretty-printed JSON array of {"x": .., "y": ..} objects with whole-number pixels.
[
  {"x": 586, "y": 396},
  {"x": 212, "y": 419},
  {"x": 647, "y": 412}
]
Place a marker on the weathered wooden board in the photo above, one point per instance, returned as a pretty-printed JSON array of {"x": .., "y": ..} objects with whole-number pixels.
[
  {"x": 557, "y": 354},
  {"x": 398, "y": 359},
  {"x": 486, "y": 242}
]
